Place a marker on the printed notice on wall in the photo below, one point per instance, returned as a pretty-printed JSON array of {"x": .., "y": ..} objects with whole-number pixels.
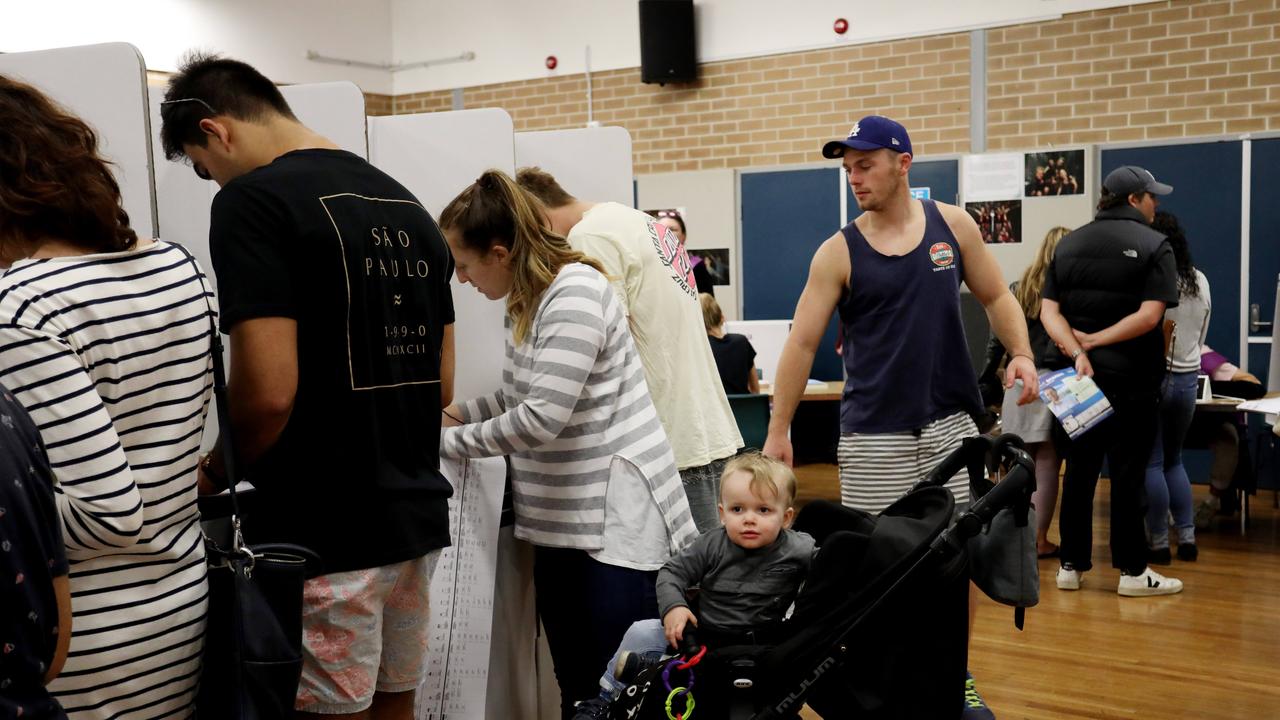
[
  {"x": 462, "y": 594},
  {"x": 992, "y": 177}
]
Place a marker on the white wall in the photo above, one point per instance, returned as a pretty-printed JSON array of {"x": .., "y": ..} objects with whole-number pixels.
[
  {"x": 511, "y": 38},
  {"x": 272, "y": 35},
  {"x": 515, "y": 37}
]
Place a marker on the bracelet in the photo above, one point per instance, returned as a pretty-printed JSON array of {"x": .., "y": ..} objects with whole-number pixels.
[
  {"x": 1077, "y": 353},
  {"x": 1025, "y": 355},
  {"x": 206, "y": 466}
]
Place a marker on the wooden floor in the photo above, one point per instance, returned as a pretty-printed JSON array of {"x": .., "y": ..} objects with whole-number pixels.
[{"x": 1211, "y": 652}]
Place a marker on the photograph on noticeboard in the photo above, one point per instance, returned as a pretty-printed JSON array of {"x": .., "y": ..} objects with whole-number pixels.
[
  {"x": 1054, "y": 173},
  {"x": 1000, "y": 221}
]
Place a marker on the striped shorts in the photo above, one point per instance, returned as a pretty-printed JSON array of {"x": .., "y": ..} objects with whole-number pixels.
[{"x": 878, "y": 468}]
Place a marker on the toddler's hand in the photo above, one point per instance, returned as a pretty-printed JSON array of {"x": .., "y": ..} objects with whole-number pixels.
[{"x": 673, "y": 624}]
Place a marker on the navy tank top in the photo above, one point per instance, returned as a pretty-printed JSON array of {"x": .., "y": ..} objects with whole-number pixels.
[{"x": 905, "y": 352}]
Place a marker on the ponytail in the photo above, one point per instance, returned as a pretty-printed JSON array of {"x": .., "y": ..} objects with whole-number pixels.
[{"x": 494, "y": 210}]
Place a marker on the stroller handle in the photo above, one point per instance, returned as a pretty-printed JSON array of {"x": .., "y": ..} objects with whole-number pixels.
[
  {"x": 974, "y": 450},
  {"x": 975, "y": 454},
  {"x": 1017, "y": 482},
  {"x": 1014, "y": 490}
]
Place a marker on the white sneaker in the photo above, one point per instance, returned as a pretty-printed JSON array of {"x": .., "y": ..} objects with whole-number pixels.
[
  {"x": 1148, "y": 583},
  {"x": 1069, "y": 578}
]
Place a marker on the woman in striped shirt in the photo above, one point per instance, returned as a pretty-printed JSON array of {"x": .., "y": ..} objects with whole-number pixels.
[
  {"x": 594, "y": 481},
  {"x": 105, "y": 339}
]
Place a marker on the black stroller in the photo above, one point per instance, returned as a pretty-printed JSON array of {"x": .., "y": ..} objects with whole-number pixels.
[{"x": 880, "y": 628}]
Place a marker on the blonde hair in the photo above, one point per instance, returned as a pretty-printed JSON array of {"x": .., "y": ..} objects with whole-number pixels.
[
  {"x": 494, "y": 210},
  {"x": 712, "y": 315},
  {"x": 1032, "y": 282},
  {"x": 769, "y": 477}
]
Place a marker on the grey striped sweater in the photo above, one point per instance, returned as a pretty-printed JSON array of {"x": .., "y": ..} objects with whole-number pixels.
[{"x": 573, "y": 397}]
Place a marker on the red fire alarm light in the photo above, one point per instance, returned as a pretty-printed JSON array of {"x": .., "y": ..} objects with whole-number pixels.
[
  {"x": 552, "y": 62},
  {"x": 841, "y": 26}
]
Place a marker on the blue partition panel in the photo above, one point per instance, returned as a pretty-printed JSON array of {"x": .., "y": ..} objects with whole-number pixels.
[
  {"x": 1206, "y": 198},
  {"x": 942, "y": 177},
  {"x": 786, "y": 216},
  {"x": 1264, "y": 245}
]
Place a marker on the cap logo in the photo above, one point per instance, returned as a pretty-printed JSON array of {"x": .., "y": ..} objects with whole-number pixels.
[
  {"x": 894, "y": 141},
  {"x": 854, "y": 131}
]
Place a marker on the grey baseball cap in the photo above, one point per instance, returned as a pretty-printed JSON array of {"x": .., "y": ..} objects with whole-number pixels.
[{"x": 1132, "y": 179}]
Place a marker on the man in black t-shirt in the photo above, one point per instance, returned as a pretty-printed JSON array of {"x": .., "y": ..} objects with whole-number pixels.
[
  {"x": 35, "y": 598},
  {"x": 1103, "y": 301},
  {"x": 333, "y": 283}
]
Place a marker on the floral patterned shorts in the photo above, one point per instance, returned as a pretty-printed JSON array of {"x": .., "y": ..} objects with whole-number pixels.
[{"x": 362, "y": 631}]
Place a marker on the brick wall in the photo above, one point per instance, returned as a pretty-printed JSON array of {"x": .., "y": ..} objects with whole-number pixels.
[
  {"x": 1161, "y": 70},
  {"x": 425, "y": 102},
  {"x": 375, "y": 104},
  {"x": 762, "y": 111},
  {"x": 1181, "y": 68}
]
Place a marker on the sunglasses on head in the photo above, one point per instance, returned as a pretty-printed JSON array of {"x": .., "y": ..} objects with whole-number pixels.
[
  {"x": 168, "y": 104},
  {"x": 667, "y": 213},
  {"x": 199, "y": 170}
]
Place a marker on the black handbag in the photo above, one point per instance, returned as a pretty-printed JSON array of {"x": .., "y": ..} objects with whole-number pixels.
[{"x": 253, "y": 638}]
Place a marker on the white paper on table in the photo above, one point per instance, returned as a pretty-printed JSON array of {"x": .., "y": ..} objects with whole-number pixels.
[{"x": 1268, "y": 406}]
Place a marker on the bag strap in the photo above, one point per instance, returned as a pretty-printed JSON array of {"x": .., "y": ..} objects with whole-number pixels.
[{"x": 220, "y": 400}]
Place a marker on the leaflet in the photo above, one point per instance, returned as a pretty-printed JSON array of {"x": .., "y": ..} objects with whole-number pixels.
[{"x": 1076, "y": 401}]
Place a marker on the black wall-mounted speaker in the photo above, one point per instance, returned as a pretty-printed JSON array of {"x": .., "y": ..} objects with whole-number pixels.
[{"x": 668, "y": 51}]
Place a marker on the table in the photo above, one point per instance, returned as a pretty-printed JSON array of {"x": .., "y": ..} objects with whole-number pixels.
[
  {"x": 1217, "y": 405},
  {"x": 815, "y": 429},
  {"x": 1224, "y": 405},
  {"x": 830, "y": 390}
]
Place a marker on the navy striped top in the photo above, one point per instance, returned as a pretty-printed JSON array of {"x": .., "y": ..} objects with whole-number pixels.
[{"x": 110, "y": 354}]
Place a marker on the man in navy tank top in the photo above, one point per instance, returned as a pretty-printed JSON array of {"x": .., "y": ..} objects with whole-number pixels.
[{"x": 894, "y": 276}]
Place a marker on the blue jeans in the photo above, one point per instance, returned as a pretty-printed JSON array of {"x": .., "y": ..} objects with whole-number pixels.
[
  {"x": 1168, "y": 487},
  {"x": 644, "y": 636},
  {"x": 702, "y": 487}
]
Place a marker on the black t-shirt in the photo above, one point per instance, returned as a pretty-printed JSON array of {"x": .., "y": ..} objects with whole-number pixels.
[
  {"x": 702, "y": 278},
  {"x": 31, "y": 555},
  {"x": 325, "y": 238},
  {"x": 1102, "y": 273},
  {"x": 734, "y": 359}
]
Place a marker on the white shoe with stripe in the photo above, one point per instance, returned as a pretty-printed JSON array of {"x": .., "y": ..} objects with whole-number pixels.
[{"x": 1148, "y": 583}]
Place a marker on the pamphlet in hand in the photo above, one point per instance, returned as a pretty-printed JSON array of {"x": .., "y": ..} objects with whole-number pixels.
[{"x": 1076, "y": 401}]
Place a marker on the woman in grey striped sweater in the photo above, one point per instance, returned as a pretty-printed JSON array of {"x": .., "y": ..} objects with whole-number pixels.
[
  {"x": 594, "y": 481},
  {"x": 104, "y": 339}
]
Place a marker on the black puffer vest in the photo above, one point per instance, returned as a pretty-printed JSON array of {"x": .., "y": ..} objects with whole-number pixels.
[{"x": 1103, "y": 272}]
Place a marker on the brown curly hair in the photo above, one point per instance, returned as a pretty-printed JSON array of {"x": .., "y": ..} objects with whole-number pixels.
[{"x": 53, "y": 183}]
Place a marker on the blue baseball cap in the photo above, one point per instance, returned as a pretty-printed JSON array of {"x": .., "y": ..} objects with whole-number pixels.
[{"x": 871, "y": 133}]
